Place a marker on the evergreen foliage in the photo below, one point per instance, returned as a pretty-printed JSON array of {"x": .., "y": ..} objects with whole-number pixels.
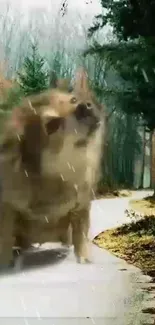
[
  {"x": 132, "y": 56},
  {"x": 34, "y": 78}
]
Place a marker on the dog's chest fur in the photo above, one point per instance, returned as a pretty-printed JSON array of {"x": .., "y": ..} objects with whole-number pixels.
[{"x": 61, "y": 187}]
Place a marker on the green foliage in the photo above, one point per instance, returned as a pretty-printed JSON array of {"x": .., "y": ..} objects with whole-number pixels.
[
  {"x": 61, "y": 66},
  {"x": 120, "y": 151},
  {"x": 132, "y": 57},
  {"x": 34, "y": 79},
  {"x": 129, "y": 18},
  {"x": 12, "y": 98},
  {"x": 129, "y": 72}
]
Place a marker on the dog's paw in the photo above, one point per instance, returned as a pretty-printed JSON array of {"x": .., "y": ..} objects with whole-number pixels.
[
  {"x": 83, "y": 260},
  {"x": 15, "y": 263},
  {"x": 18, "y": 264},
  {"x": 67, "y": 246}
]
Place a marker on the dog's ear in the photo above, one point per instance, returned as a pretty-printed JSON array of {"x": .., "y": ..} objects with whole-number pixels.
[{"x": 81, "y": 81}]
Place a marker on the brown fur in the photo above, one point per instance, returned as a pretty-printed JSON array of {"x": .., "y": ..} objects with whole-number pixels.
[{"x": 49, "y": 160}]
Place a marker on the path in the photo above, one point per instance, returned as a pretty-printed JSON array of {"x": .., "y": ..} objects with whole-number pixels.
[
  {"x": 107, "y": 292},
  {"x": 109, "y": 213}
]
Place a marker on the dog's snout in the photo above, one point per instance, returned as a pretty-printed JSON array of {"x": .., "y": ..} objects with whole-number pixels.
[
  {"x": 82, "y": 112},
  {"x": 87, "y": 117}
]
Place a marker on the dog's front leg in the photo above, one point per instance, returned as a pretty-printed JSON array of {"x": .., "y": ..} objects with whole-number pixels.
[
  {"x": 65, "y": 230},
  {"x": 7, "y": 239},
  {"x": 80, "y": 227}
]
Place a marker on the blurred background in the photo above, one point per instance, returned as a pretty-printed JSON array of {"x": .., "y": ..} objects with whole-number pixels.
[{"x": 44, "y": 39}]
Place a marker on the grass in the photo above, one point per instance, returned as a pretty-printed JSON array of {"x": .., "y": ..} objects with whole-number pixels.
[
  {"x": 145, "y": 206},
  {"x": 133, "y": 242},
  {"x": 113, "y": 194}
]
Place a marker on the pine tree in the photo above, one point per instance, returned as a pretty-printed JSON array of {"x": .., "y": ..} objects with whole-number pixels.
[
  {"x": 34, "y": 78},
  {"x": 131, "y": 55}
]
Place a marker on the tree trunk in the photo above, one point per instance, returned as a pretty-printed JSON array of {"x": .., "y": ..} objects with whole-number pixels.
[
  {"x": 143, "y": 160},
  {"x": 153, "y": 162},
  {"x": 150, "y": 139}
]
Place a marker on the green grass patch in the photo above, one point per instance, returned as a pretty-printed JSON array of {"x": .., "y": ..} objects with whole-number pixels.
[{"x": 133, "y": 242}]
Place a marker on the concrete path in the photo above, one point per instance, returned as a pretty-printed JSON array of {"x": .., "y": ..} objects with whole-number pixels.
[
  {"x": 53, "y": 290},
  {"x": 109, "y": 213}
]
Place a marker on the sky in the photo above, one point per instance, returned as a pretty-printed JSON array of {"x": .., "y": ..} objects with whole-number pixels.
[
  {"x": 79, "y": 16},
  {"x": 73, "y": 3},
  {"x": 86, "y": 5}
]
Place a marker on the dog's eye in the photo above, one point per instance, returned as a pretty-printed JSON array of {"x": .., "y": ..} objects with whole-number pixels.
[
  {"x": 73, "y": 100},
  {"x": 89, "y": 105}
]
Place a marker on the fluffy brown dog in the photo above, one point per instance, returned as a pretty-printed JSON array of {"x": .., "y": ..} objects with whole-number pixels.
[{"x": 49, "y": 163}]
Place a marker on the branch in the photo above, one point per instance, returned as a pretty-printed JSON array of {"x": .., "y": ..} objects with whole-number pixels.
[{"x": 64, "y": 7}]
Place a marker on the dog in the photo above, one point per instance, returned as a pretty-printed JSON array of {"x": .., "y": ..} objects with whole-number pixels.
[{"x": 50, "y": 163}]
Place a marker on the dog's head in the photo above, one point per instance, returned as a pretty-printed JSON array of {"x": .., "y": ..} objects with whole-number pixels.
[
  {"x": 46, "y": 119},
  {"x": 85, "y": 119}
]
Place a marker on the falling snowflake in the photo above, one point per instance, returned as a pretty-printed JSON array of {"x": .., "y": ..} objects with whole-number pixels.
[
  {"x": 62, "y": 177},
  {"x": 93, "y": 193},
  {"x": 136, "y": 68},
  {"x": 46, "y": 219},
  {"x": 105, "y": 83},
  {"x": 26, "y": 173},
  {"x": 76, "y": 187},
  {"x": 73, "y": 169},
  {"x": 145, "y": 75},
  {"x": 69, "y": 165},
  {"x": 18, "y": 137}
]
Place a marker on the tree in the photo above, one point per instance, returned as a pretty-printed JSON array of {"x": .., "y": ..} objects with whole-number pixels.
[
  {"x": 129, "y": 18},
  {"x": 120, "y": 149},
  {"x": 10, "y": 96},
  {"x": 131, "y": 55},
  {"x": 34, "y": 78}
]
